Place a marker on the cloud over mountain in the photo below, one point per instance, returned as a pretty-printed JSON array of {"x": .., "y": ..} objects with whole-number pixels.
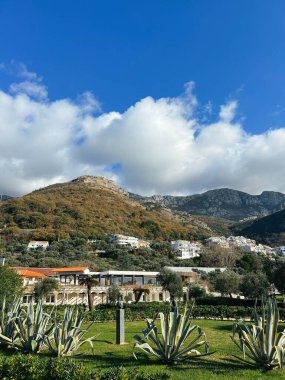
[{"x": 155, "y": 146}]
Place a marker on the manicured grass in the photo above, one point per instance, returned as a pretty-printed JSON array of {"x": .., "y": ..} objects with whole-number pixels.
[{"x": 220, "y": 365}]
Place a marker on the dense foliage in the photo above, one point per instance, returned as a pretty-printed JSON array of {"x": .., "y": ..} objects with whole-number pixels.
[
  {"x": 176, "y": 341},
  {"x": 28, "y": 367},
  {"x": 78, "y": 208},
  {"x": 262, "y": 343},
  {"x": 10, "y": 284}
]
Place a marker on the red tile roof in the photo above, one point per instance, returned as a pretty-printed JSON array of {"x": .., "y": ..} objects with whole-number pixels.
[{"x": 29, "y": 273}]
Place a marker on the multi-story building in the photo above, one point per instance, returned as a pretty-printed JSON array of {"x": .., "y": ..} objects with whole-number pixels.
[
  {"x": 185, "y": 249},
  {"x": 72, "y": 292},
  {"x": 220, "y": 241},
  {"x": 241, "y": 242},
  {"x": 123, "y": 240},
  {"x": 129, "y": 241}
]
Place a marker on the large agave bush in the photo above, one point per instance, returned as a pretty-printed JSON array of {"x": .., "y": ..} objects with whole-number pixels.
[
  {"x": 177, "y": 341},
  {"x": 260, "y": 342},
  {"x": 68, "y": 335},
  {"x": 33, "y": 327},
  {"x": 8, "y": 331},
  {"x": 30, "y": 329}
]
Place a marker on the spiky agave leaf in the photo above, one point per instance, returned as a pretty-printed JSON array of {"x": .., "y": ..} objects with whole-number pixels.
[
  {"x": 175, "y": 343},
  {"x": 68, "y": 335},
  {"x": 33, "y": 326},
  {"x": 261, "y": 342},
  {"x": 8, "y": 332}
]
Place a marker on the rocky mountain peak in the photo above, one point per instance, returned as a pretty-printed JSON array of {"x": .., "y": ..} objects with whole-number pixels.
[{"x": 99, "y": 182}]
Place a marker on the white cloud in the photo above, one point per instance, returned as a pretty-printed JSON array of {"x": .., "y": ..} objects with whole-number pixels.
[
  {"x": 31, "y": 83},
  {"x": 33, "y": 89},
  {"x": 155, "y": 146}
]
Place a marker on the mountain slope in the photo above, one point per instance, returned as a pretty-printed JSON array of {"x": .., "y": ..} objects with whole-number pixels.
[
  {"x": 269, "y": 229},
  {"x": 222, "y": 203},
  {"x": 93, "y": 206}
]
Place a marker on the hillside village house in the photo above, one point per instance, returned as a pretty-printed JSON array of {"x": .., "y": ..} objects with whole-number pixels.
[
  {"x": 71, "y": 292},
  {"x": 129, "y": 241},
  {"x": 185, "y": 249},
  {"x": 36, "y": 244}
]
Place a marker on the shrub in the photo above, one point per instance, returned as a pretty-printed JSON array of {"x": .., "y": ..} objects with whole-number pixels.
[
  {"x": 176, "y": 343},
  {"x": 23, "y": 367},
  {"x": 31, "y": 367},
  {"x": 121, "y": 373},
  {"x": 261, "y": 342}
]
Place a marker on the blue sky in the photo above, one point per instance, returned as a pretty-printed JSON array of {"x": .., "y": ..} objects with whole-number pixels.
[{"x": 124, "y": 51}]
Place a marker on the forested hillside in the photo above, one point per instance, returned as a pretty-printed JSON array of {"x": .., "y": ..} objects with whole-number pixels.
[{"x": 95, "y": 206}]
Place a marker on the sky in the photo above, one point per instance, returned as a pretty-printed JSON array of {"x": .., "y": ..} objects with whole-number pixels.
[{"x": 164, "y": 97}]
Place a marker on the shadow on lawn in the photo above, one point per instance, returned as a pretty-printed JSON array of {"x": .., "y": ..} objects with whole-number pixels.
[
  {"x": 111, "y": 359},
  {"x": 226, "y": 366},
  {"x": 224, "y": 327}
]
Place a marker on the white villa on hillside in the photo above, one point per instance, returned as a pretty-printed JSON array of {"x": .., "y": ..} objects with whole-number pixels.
[
  {"x": 185, "y": 249},
  {"x": 129, "y": 241},
  {"x": 36, "y": 244}
]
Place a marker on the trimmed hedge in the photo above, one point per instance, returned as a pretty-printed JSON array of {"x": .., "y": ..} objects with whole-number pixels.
[
  {"x": 150, "y": 310},
  {"x": 35, "y": 367},
  {"x": 209, "y": 308},
  {"x": 227, "y": 301}
]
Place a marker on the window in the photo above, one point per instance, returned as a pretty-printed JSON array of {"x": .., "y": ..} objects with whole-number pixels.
[
  {"x": 117, "y": 280},
  {"x": 160, "y": 296},
  {"x": 50, "y": 299},
  {"x": 138, "y": 280},
  {"x": 127, "y": 280},
  {"x": 27, "y": 298}
]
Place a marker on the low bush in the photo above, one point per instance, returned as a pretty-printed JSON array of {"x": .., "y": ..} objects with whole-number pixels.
[
  {"x": 36, "y": 367},
  {"x": 121, "y": 373},
  {"x": 227, "y": 301},
  {"x": 143, "y": 311}
]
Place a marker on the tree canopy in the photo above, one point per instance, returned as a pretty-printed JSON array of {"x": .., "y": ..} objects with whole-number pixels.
[
  {"x": 171, "y": 282},
  {"x": 254, "y": 285},
  {"x": 11, "y": 284},
  {"x": 279, "y": 278},
  {"x": 227, "y": 282},
  {"x": 45, "y": 287}
]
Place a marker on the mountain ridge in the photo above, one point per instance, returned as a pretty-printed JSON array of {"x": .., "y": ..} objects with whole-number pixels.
[{"x": 224, "y": 203}]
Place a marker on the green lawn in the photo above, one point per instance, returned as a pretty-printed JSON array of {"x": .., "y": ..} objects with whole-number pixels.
[{"x": 219, "y": 365}]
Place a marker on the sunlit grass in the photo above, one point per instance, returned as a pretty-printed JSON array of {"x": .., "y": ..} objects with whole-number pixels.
[{"x": 220, "y": 365}]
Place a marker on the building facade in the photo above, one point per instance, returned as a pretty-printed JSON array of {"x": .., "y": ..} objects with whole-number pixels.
[{"x": 71, "y": 292}]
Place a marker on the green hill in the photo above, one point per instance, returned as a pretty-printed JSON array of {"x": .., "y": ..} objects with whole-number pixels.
[
  {"x": 267, "y": 230},
  {"x": 95, "y": 206}
]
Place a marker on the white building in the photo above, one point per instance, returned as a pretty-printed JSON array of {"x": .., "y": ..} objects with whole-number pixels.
[
  {"x": 220, "y": 241},
  {"x": 246, "y": 245},
  {"x": 36, "y": 244},
  {"x": 125, "y": 240},
  {"x": 185, "y": 249}
]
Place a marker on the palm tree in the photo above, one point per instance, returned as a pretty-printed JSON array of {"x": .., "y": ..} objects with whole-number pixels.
[{"x": 89, "y": 282}]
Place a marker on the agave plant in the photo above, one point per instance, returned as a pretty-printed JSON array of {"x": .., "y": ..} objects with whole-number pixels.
[
  {"x": 176, "y": 343},
  {"x": 261, "y": 341},
  {"x": 33, "y": 326},
  {"x": 8, "y": 331},
  {"x": 67, "y": 336}
]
